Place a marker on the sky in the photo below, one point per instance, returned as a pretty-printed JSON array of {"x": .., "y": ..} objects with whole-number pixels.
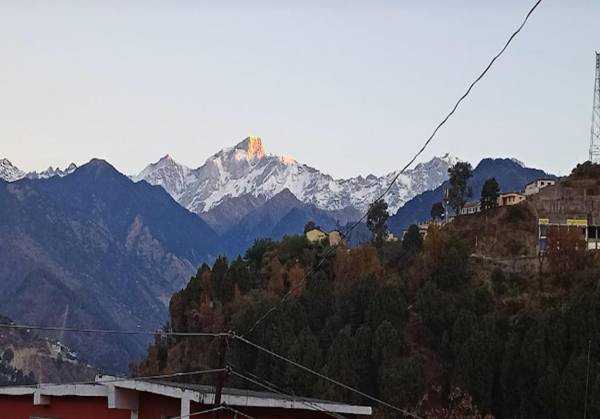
[{"x": 348, "y": 87}]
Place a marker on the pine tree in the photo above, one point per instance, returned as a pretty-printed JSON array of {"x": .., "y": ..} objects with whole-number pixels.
[
  {"x": 376, "y": 221},
  {"x": 489, "y": 194},
  {"x": 437, "y": 211},
  {"x": 412, "y": 242},
  {"x": 459, "y": 175}
]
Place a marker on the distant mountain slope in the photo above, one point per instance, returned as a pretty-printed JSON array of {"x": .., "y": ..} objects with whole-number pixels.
[
  {"x": 248, "y": 169},
  {"x": 230, "y": 211},
  {"x": 281, "y": 215},
  {"x": 99, "y": 250},
  {"x": 510, "y": 174}
]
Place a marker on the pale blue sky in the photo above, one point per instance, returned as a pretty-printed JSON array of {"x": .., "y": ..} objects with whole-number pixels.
[{"x": 350, "y": 87}]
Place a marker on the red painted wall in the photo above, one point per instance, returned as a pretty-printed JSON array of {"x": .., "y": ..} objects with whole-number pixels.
[
  {"x": 21, "y": 407},
  {"x": 154, "y": 406}
]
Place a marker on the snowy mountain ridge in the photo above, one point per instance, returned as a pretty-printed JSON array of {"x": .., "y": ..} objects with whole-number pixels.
[
  {"x": 11, "y": 173},
  {"x": 247, "y": 168}
]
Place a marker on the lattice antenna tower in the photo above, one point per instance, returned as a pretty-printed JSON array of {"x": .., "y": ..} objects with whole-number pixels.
[{"x": 595, "y": 132}]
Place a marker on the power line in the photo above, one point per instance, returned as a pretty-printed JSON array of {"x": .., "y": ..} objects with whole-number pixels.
[
  {"x": 238, "y": 412},
  {"x": 121, "y": 379},
  {"x": 214, "y": 409},
  {"x": 275, "y": 389},
  {"x": 109, "y": 331},
  {"x": 410, "y": 162},
  {"x": 203, "y": 412},
  {"x": 326, "y": 378}
]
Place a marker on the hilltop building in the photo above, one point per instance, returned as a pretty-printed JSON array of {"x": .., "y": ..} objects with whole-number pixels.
[
  {"x": 510, "y": 198},
  {"x": 391, "y": 237},
  {"x": 110, "y": 398},
  {"x": 336, "y": 238},
  {"x": 423, "y": 228},
  {"x": 571, "y": 207},
  {"x": 536, "y": 186},
  {"x": 472, "y": 207},
  {"x": 316, "y": 235}
]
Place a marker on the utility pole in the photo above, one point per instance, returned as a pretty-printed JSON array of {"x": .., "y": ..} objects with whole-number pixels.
[
  {"x": 595, "y": 131},
  {"x": 587, "y": 380},
  {"x": 222, "y": 347},
  {"x": 446, "y": 205}
]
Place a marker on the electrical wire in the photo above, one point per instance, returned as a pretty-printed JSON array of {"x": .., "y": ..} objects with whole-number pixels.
[
  {"x": 202, "y": 412},
  {"x": 326, "y": 378},
  {"x": 120, "y": 379},
  {"x": 271, "y": 387},
  {"x": 215, "y": 409},
  {"x": 238, "y": 412},
  {"x": 410, "y": 162},
  {"x": 108, "y": 331}
]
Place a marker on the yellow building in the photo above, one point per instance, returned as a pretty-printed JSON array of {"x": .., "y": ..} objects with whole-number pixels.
[
  {"x": 335, "y": 238},
  {"x": 316, "y": 235},
  {"x": 510, "y": 198}
]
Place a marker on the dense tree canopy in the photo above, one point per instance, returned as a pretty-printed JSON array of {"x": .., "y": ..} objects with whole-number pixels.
[{"x": 411, "y": 322}]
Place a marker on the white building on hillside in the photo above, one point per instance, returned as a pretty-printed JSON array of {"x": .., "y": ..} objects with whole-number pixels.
[
  {"x": 472, "y": 207},
  {"x": 534, "y": 187}
]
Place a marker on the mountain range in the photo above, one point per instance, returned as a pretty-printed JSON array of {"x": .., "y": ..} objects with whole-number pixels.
[
  {"x": 248, "y": 172},
  {"x": 244, "y": 192},
  {"x": 92, "y": 247},
  {"x": 10, "y": 172}
]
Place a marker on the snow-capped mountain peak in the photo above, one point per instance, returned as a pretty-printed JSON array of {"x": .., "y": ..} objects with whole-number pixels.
[
  {"x": 247, "y": 168},
  {"x": 51, "y": 171},
  {"x": 251, "y": 148},
  {"x": 169, "y": 174},
  {"x": 10, "y": 172}
]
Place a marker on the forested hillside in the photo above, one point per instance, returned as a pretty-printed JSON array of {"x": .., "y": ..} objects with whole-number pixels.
[{"x": 457, "y": 323}]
